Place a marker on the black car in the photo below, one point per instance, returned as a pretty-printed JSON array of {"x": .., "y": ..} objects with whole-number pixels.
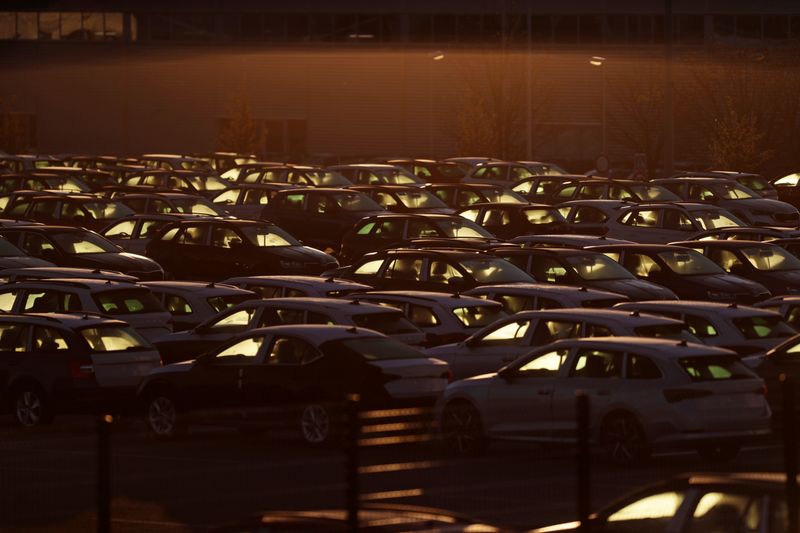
[
  {"x": 433, "y": 171},
  {"x": 169, "y": 202},
  {"x": 568, "y": 266},
  {"x": 507, "y": 221},
  {"x": 13, "y": 257},
  {"x": 391, "y": 230},
  {"x": 457, "y": 195},
  {"x": 303, "y": 176},
  {"x": 404, "y": 198},
  {"x": 540, "y": 188},
  {"x": 215, "y": 249},
  {"x": 440, "y": 270},
  {"x": 783, "y": 359},
  {"x": 607, "y": 189},
  {"x": 83, "y": 210},
  {"x": 247, "y": 200},
  {"x": 319, "y": 216},
  {"x": 80, "y": 248},
  {"x": 188, "y": 181},
  {"x": 768, "y": 264},
  {"x": 301, "y": 371},
  {"x": 684, "y": 271}
]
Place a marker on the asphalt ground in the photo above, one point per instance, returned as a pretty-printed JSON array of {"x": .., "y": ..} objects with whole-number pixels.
[{"x": 214, "y": 476}]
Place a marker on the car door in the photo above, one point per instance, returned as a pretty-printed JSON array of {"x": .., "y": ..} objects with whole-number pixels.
[
  {"x": 491, "y": 350},
  {"x": 289, "y": 212},
  {"x": 597, "y": 373},
  {"x": 229, "y": 254},
  {"x": 190, "y": 255},
  {"x": 529, "y": 383},
  {"x": 13, "y": 348},
  {"x": 404, "y": 272}
]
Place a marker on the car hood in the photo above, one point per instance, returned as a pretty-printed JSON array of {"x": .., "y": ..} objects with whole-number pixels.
[
  {"x": 174, "y": 368},
  {"x": 762, "y": 204},
  {"x": 635, "y": 289},
  {"x": 23, "y": 262},
  {"x": 122, "y": 261},
  {"x": 729, "y": 283},
  {"x": 301, "y": 253}
]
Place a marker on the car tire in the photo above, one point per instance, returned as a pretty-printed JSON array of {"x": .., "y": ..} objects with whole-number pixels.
[
  {"x": 31, "y": 406},
  {"x": 462, "y": 428},
  {"x": 162, "y": 416},
  {"x": 718, "y": 452},
  {"x": 624, "y": 440},
  {"x": 316, "y": 424}
]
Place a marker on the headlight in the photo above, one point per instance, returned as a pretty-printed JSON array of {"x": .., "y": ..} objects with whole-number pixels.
[{"x": 290, "y": 264}]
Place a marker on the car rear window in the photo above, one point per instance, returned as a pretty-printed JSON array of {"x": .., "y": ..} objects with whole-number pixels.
[
  {"x": 666, "y": 331},
  {"x": 127, "y": 302},
  {"x": 376, "y": 349},
  {"x": 478, "y": 315},
  {"x": 113, "y": 339},
  {"x": 221, "y": 303},
  {"x": 714, "y": 368},
  {"x": 387, "y": 323},
  {"x": 763, "y": 327}
]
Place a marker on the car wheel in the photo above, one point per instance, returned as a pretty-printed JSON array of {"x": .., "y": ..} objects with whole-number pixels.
[
  {"x": 162, "y": 416},
  {"x": 718, "y": 452},
  {"x": 624, "y": 440},
  {"x": 462, "y": 429},
  {"x": 316, "y": 424},
  {"x": 32, "y": 407}
]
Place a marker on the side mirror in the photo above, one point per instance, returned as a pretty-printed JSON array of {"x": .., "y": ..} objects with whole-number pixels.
[
  {"x": 471, "y": 342},
  {"x": 457, "y": 281}
]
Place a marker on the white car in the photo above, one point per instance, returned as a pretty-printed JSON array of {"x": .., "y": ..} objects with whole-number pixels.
[
  {"x": 503, "y": 341},
  {"x": 291, "y": 286},
  {"x": 442, "y": 317},
  {"x": 517, "y": 297},
  {"x": 644, "y": 394},
  {"x": 192, "y": 302}
]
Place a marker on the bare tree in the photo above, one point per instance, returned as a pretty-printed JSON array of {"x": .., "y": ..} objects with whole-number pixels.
[{"x": 240, "y": 132}]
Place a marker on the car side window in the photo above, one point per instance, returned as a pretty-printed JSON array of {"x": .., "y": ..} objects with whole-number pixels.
[
  {"x": 419, "y": 228},
  {"x": 509, "y": 333},
  {"x": 13, "y": 337},
  {"x": 242, "y": 352},
  {"x": 290, "y": 316},
  {"x": 548, "y": 331},
  {"x": 389, "y": 229},
  {"x": 49, "y": 301},
  {"x": 547, "y": 364},
  {"x": 223, "y": 237},
  {"x": 440, "y": 271},
  {"x": 177, "y": 305},
  {"x": 514, "y": 303},
  {"x": 422, "y": 316},
  {"x": 123, "y": 230},
  {"x": 195, "y": 235},
  {"x": 674, "y": 219},
  {"x": 35, "y": 244},
  {"x": 725, "y": 259},
  {"x": 471, "y": 214},
  {"x": 640, "y": 367},
  {"x": 290, "y": 351},
  {"x": 292, "y": 202},
  {"x": 238, "y": 320},
  {"x": 369, "y": 268},
  {"x": 652, "y": 513},
  {"x": 405, "y": 268},
  {"x": 48, "y": 340},
  {"x": 597, "y": 364},
  {"x": 588, "y": 215},
  {"x": 7, "y": 299},
  {"x": 548, "y": 270},
  {"x": 719, "y": 511},
  {"x": 641, "y": 265},
  {"x": 467, "y": 198},
  {"x": 642, "y": 218},
  {"x": 700, "y": 327}
]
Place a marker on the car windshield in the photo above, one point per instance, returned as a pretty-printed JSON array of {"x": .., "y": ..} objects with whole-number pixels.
[
  {"x": 597, "y": 267},
  {"x": 327, "y": 178},
  {"x": 195, "y": 206},
  {"x": 108, "y": 210},
  {"x": 543, "y": 216},
  {"x": 763, "y": 327},
  {"x": 654, "y": 193},
  {"x": 770, "y": 258},
  {"x": 474, "y": 316},
  {"x": 463, "y": 228},
  {"x": 419, "y": 199},
  {"x": 356, "y": 202},
  {"x": 734, "y": 191},
  {"x": 9, "y": 250},
  {"x": 73, "y": 242},
  {"x": 188, "y": 164},
  {"x": 221, "y": 303},
  {"x": 451, "y": 171},
  {"x": 113, "y": 339},
  {"x": 207, "y": 183},
  {"x": 714, "y": 368},
  {"x": 373, "y": 348},
  {"x": 689, "y": 262},
  {"x": 390, "y": 323},
  {"x": 268, "y": 236},
  {"x": 127, "y": 302},
  {"x": 715, "y": 219},
  {"x": 499, "y": 194},
  {"x": 494, "y": 270},
  {"x": 755, "y": 183},
  {"x": 66, "y": 184}
]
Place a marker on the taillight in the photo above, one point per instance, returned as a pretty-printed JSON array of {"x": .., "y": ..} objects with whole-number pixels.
[
  {"x": 678, "y": 395},
  {"x": 81, "y": 369}
]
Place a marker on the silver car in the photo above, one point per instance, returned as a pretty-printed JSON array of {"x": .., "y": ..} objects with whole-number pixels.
[{"x": 644, "y": 394}]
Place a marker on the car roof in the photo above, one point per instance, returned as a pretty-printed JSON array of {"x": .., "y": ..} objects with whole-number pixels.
[
  {"x": 93, "y": 284},
  {"x": 66, "y": 272},
  {"x": 296, "y": 281},
  {"x": 609, "y": 316},
  {"x": 72, "y": 320},
  {"x": 724, "y": 243},
  {"x": 637, "y": 246},
  {"x": 318, "y": 333},
  {"x": 441, "y": 298},
  {"x": 663, "y": 348},
  {"x": 715, "y": 308},
  {"x": 545, "y": 288},
  {"x": 196, "y": 287},
  {"x": 350, "y": 306}
]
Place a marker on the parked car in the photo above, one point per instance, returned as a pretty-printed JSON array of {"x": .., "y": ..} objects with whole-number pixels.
[
  {"x": 507, "y": 221},
  {"x": 472, "y": 162},
  {"x": 517, "y": 297},
  {"x": 220, "y": 248},
  {"x": 748, "y": 234},
  {"x": 56, "y": 363},
  {"x": 457, "y": 195},
  {"x": 13, "y": 257},
  {"x": 788, "y": 306},
  {"x": 83, "y": 210},
  {"x": 319, "y": 216},
  {"x": 175, "y": 162},
  {"x": 502, "y": 174},
  {"x": 404, "y": 199},
  {"x": 787, "y": 188},
  {"x": 222, "y": 161},
  {"x": 669, "y": 222},
  {"x": 646, "y": 394},
  {"x": 432, "y": 171},
  {"x": 748, "y": 331},
  {"x": 540, "y": 188},
  {"x": 10, "y": 275},
  {"x": 565, "y": 241},
  {"x": 252, "y": 314},
  {"x": 192, "y": 302},
  {"x": 300, "y": 175},
  {"x": 612, "y": 189},
  {"x": 745, "y": 204},
  {"x": 508, "y": 338},
  {"x": 133, "y": 233},
  {"x": 248, "y": 200},
  {"x": 170, "y": 202},
  {"x": 119, "y": 299},
  {"x": 713, "y": 502},
  {"x": 684, "y": 271},
  {"x": 251, "y": 170},
  {"x": 431, "y": 270},
  {"x": 582, "y": 268},
  {"x": 80, "y": 248},
  {"x": 292, "y": 286},
  {"x": 593, "y": 217},
  {"x": 188, "y": 181},
  {"x": 325, "y": 362},
  {"x": 754, "y": 182},
  {"x": 391, "y": 230},
  {"x": 442, "y": 317},
  {"x": 761, "y": 262},
  {"x": 377, "y": 174}
]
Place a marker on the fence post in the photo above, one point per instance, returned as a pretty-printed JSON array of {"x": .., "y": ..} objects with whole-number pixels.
[
  {"x": 584, "y": 461},
  {"x": 352, "y": 461},
  {"x": 104, "y": 473},
  {"x": 790, "y": 450}
]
